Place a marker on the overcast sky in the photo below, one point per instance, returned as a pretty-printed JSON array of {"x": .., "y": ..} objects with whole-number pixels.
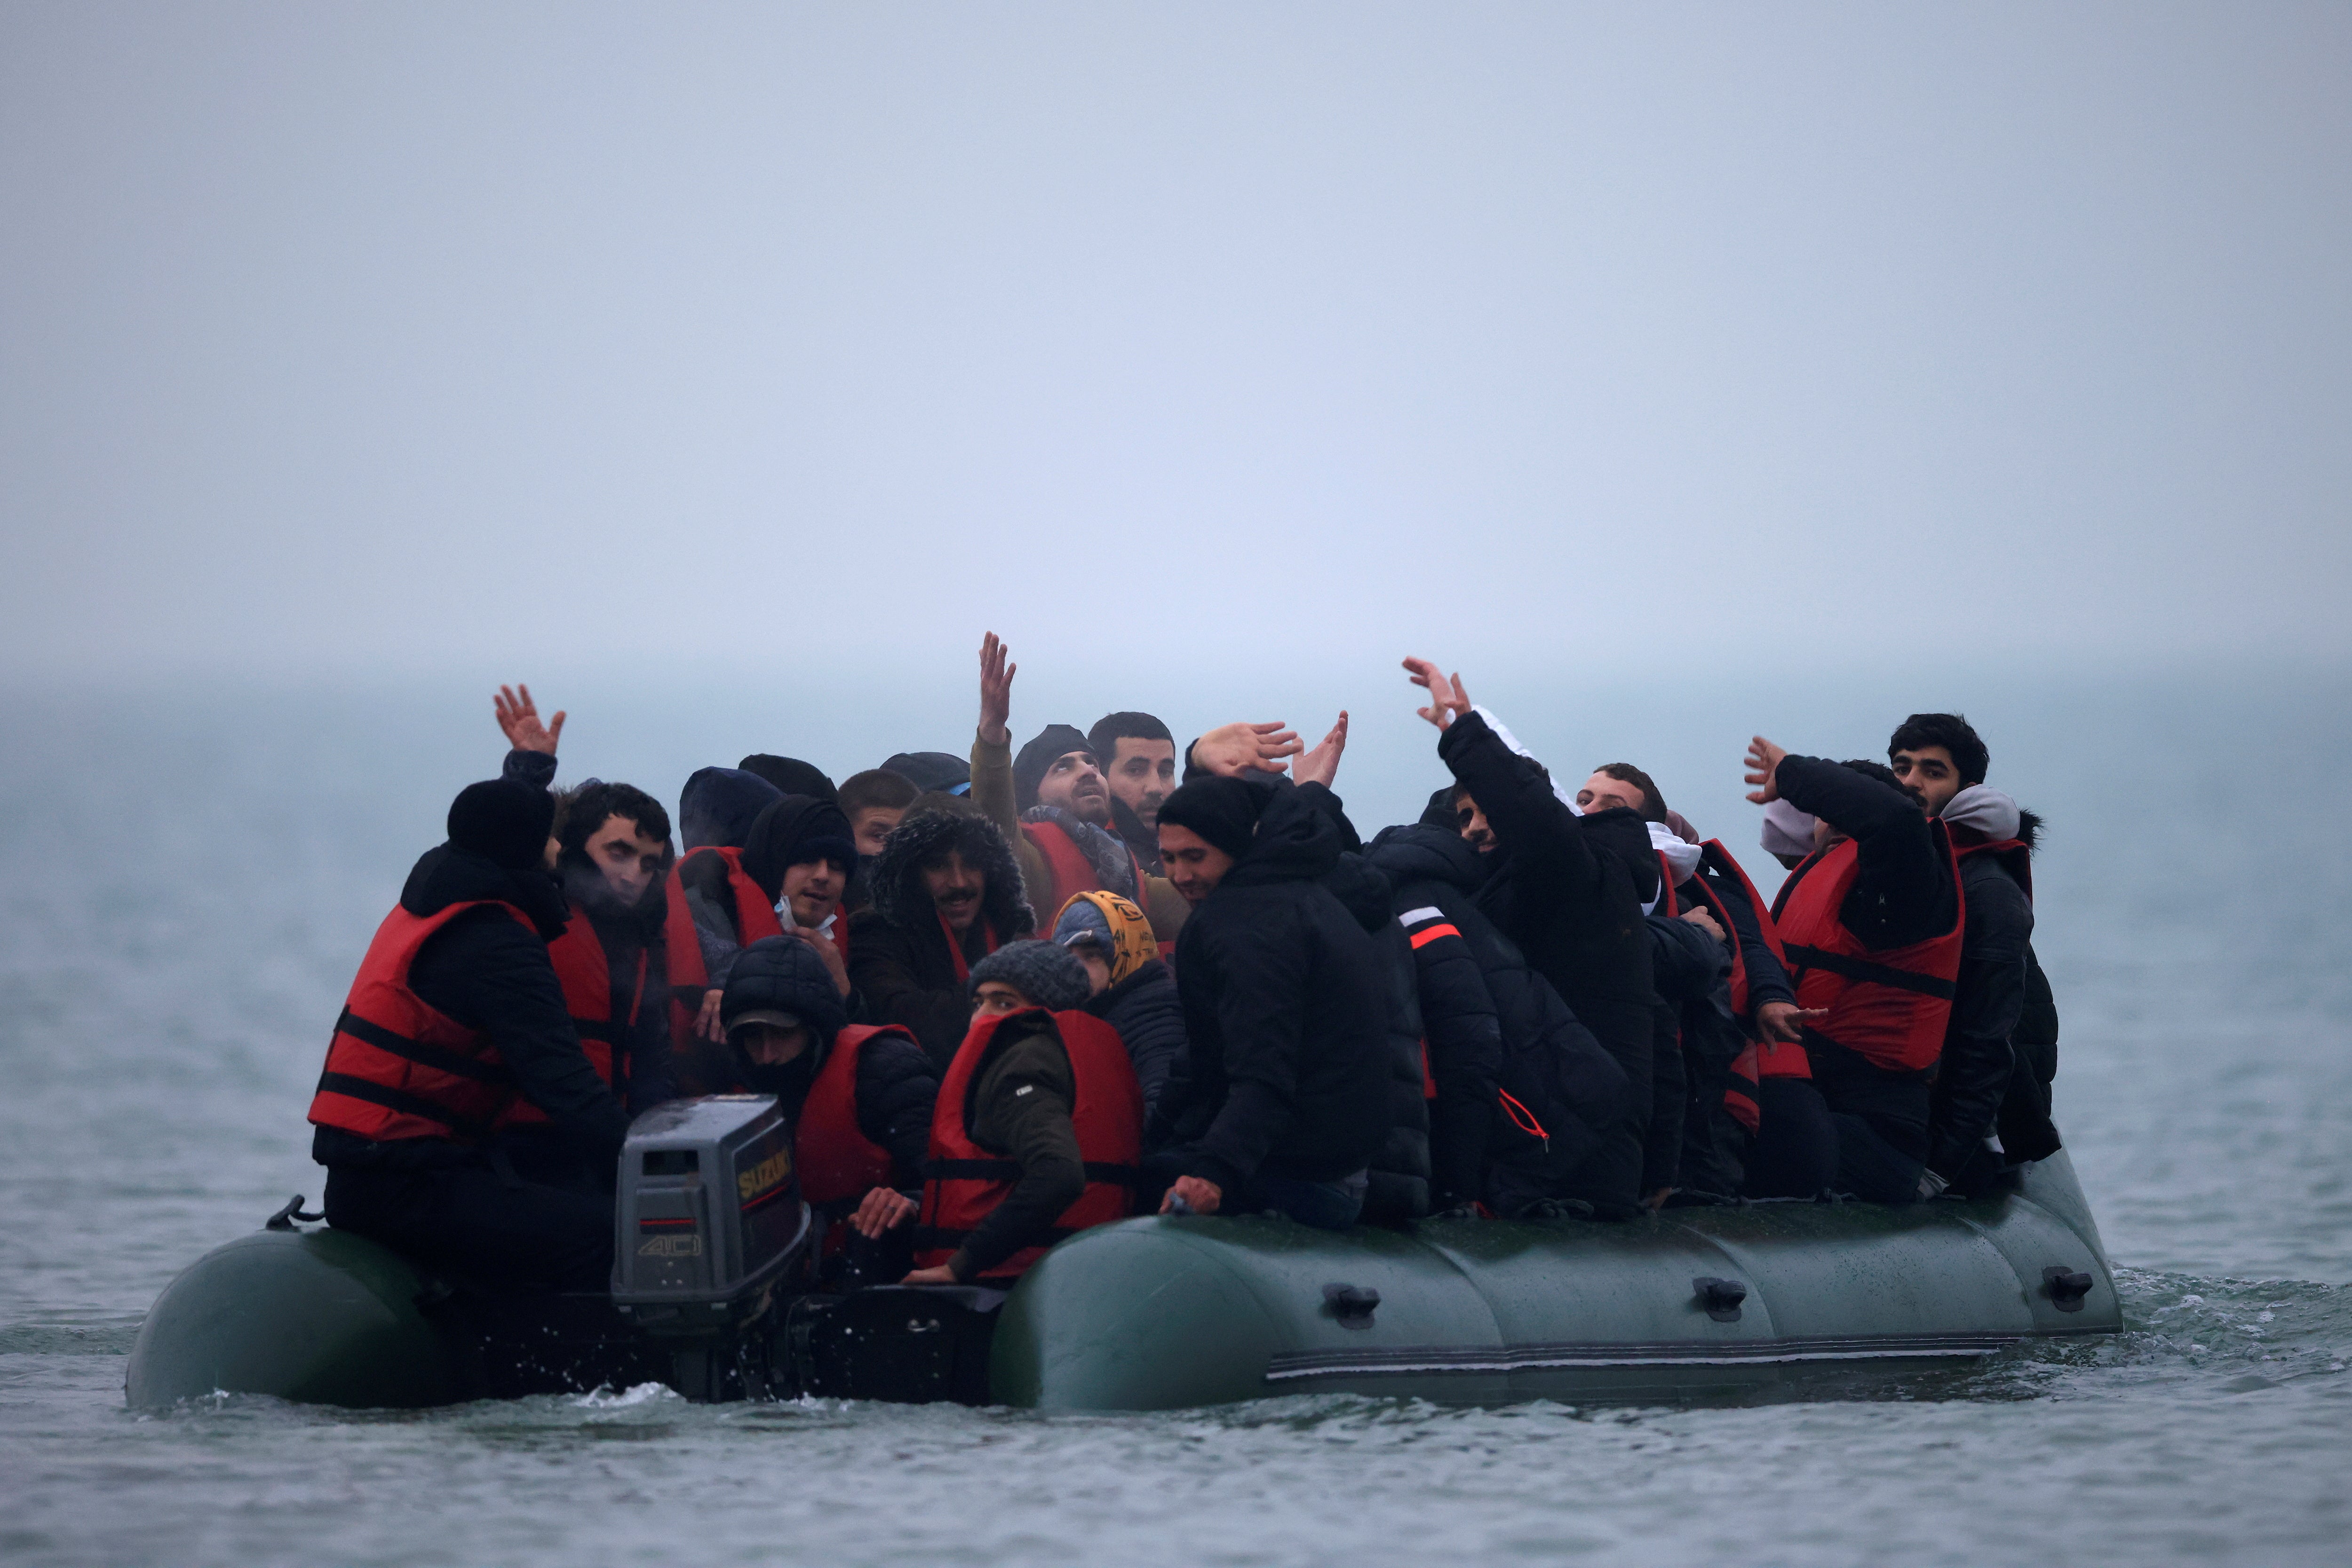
[{"x": 1778, "y": 338}]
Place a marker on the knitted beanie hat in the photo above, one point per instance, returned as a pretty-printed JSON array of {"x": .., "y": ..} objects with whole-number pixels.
[{"x": 1047, "y": 973}]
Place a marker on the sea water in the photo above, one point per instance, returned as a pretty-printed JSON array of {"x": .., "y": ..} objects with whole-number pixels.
[{"x": 189, "y": 881}]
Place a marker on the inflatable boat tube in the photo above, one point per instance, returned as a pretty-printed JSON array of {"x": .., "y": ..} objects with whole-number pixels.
[{"x": 1699, "y": 1304}]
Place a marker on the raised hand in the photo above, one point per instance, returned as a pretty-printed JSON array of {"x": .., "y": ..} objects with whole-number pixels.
[
  {"x": 1233, "y": 749},
  {"x": 1447, "y": 700},
  {"x": 1764, "y": 768},
  {"x": 996, "y": 690},
  {"x": 1321, "y": 765},
  {"x": 518, "y": 717}
]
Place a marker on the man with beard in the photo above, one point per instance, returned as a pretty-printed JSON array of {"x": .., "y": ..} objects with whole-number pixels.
[
  {"x": 1053, "y": 804},
  {"x": 1138, "y": 760},
  {"x": 2000, "y": 1052},
  {"x": 1569, "y": 890},
  {"x": 610, "y": 853},
  {"x": 455, "y": 1014},
  {"x": 947, "y": 892}
]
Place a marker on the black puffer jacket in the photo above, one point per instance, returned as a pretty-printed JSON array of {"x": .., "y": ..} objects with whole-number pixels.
[
  {"x": 899, "y": 961},
  {"x": 1150, "y": 1017},
  {"x": 1286, "y": 1015},
  {"x": 1496, "y": 1026},
  {"x": 1399, "y": 1172},
  {"x": 487, "y": 972},
  {"x": 1568, "y": 889},
  {"x": 1687, "y": 966}
]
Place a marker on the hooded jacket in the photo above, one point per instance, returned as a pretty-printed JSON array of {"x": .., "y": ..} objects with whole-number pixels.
[
  {"x": 1496, "y": 1026},
  {"x": 1568, "y": 889},
  {"x": 487, "y": 972},
  {"x": 895, "y": 1082},
  {"x": 899, "y": 960},
  {"x": 1979, "y": 1061},
  {"x": 1286, "y": 1014}
]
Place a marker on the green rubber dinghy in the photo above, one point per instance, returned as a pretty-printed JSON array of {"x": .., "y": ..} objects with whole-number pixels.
[{"x": 1695, "y": 1305}]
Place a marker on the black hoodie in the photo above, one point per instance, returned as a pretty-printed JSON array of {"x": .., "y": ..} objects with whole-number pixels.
[
  {"x": 487, "y": 972},
  {"x": 1285, "y": 1013},
  {"x": 1568, "y": 889}
]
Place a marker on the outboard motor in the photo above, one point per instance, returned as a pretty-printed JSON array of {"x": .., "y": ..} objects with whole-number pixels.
[{"x": 710, "y": 1227}]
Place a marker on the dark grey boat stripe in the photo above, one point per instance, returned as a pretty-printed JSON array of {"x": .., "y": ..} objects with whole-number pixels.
[{"x": 1297, "y": 1365}]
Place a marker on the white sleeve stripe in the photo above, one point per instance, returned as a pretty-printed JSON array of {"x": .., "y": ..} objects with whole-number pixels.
[{"x": 1415, "y": 917}]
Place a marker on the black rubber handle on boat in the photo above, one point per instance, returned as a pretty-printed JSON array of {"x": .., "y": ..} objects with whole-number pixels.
[
  {"x": 2066, "y": 1287},
  {"x": 1721, "y": 1298},
  {"x": 285, "y": 1218},
  {"x": 1351, "y": 1304}
]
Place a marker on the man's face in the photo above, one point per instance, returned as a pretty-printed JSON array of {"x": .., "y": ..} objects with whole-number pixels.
[
  {"x": 1097, "y": 967},
  {"x": 994, "y": 997},
  {"x": 1472, "y": 824},
  {"x": 1824, "y": 835},
  {"x": 1143, "y": 773},
  {"x": 768, "y": 1046},
  {"x": 1930, "y": 773},
  {"x": 1076, "y": 784},
  {"x": 812, "y": 889},
  {"x": 1603, "y": 793},
  {"x": 628, "y": 859},
  {"x": 956, "y": 888},
  {"x": 1193, "y": 864},
  {"x": 872, "y": 825}
]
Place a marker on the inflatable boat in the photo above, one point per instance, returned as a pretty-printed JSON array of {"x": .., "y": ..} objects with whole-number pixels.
[{"x": 712, "y": 1294}]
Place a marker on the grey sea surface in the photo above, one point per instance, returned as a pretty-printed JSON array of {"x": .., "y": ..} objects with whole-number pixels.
[{"x": 190, "y": 883}]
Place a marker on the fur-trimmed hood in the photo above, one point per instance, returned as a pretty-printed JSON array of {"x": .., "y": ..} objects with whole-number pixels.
[{"x": 928, "y": 834}]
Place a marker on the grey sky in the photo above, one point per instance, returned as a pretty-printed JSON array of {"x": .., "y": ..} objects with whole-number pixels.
[{"x": 532, "y": 338}]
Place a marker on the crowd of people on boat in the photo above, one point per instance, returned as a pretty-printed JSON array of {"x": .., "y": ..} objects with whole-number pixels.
[{"x": 1007, "y": 995}]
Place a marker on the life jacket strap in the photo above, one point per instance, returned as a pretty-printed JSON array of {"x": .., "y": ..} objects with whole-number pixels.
[
  {"x": 1863, "y": 969},
  {"x": 439, "y": 1058},
  {"x": 399, "y": 1100}
]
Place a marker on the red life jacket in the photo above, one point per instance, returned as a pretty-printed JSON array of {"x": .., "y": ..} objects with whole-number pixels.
[
  {"x": 397, "y": 1068},
  {"x": 1890, "y": 1007},
  {"x": 1072, "y": 873},
  {"x": 966, "y": 1182},
  {"x": 1758, "y": 1059},
  {"x": 839, "y": 1164},
  {"x": 755, "y": 916},
  {"x": 587, "y": 980}
]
